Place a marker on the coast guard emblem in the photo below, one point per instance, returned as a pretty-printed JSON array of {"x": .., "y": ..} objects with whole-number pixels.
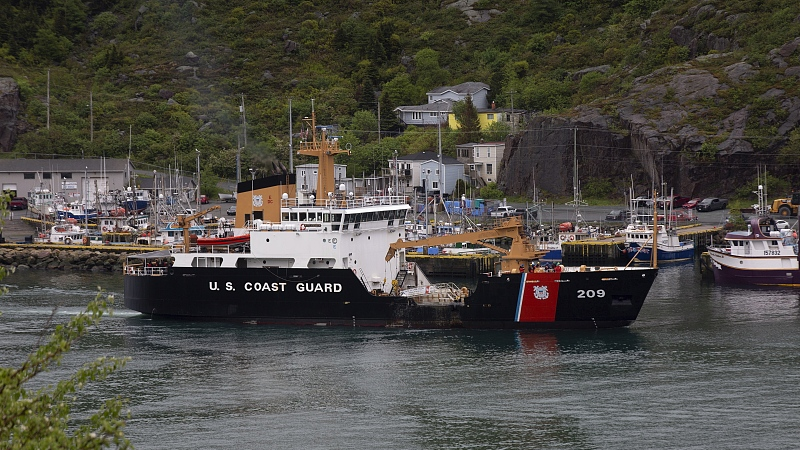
[{"x": 540, "y": 292}]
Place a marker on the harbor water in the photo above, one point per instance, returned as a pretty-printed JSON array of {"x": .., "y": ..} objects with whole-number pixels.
[{"x": 703, "y": 367}]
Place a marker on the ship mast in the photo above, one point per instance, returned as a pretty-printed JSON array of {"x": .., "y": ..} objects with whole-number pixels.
[{"x": 324, "y": 149}]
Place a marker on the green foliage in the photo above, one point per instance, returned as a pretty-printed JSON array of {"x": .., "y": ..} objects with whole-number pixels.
[
  {"x": 41, "y": 418},
  {"x": 545, "y": 94},
  {"x": 105, "y": 23},
  {"x": 735, "y": 220},
  {"x": 50, "y": 47},
  {"x": 642, "y": 8},
  {"x": 790, "y": 153},
  {"x": 490, "y": 191},
  {"x": 349, "y": 53},
  {"x": 365, "y": 126},
  {"x": 496, "y": 132},
  {"x": 428, "y": 73},
  {"x": 589, "y": 83},
  {"x": 368, "y": 159},
  {"x": 597, "y": 188},
  {"x": 775, "y": 188},
  {"x": 708, "y": 152}
]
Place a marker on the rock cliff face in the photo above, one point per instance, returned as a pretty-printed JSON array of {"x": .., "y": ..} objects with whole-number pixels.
[
  {"x": 9, "y": 109},
  {"x": 656, "y": 133}
]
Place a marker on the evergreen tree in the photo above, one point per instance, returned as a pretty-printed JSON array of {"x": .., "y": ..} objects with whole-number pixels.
[{"x": 467, "y": 117}]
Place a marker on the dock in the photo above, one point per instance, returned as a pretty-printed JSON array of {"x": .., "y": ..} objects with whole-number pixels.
[{"x": 611, "y": 250}]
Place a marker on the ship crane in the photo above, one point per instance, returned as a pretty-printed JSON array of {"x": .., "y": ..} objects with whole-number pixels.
[
  {"x": 521, "y": 253},
  {"x": 185, "y": 221}
]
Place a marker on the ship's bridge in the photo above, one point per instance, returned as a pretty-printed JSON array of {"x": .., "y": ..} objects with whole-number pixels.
[{"x": 349, "y": 213}]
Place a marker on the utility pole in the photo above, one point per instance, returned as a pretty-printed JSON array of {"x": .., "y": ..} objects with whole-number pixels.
[
  {"x": 291, "y": 145},
  {"x": 513, "y": 119},
  {"x": 130, "y": 143},
  {"x": 198, "y": 179},
  {"x": 91, "y": 118},
  {"x": 441, "y": 168},
  {"x": 48, "y": 99}
]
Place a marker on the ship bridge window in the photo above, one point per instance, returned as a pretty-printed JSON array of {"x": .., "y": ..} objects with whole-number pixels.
[
  {"x": 302, "y": 216},
  {"x": 326, "y": 217},
  {"x": 293, "y": 217},
  {"x": 207, "y": 261}
]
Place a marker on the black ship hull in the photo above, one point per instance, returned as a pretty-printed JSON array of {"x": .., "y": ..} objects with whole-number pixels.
[{"x": 590, "y": 299}]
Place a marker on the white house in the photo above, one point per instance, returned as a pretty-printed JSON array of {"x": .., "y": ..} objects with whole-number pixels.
[
  {"x": 440, "y": 104},
  {"x": 425, "y": 115},
  {"x": 307, "y": 176},
  {"x": 477, "y": 90},
  {"x": 421, "y": 172},
  {"x": 482, "y": 160}
]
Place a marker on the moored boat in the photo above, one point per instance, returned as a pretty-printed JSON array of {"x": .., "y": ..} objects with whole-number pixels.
[
  {"x": 763, "y": 255},
  {"x": 340, "y": 260},
  {"x": 639, "y": 243},
  {"x": 40, "y": 201}
]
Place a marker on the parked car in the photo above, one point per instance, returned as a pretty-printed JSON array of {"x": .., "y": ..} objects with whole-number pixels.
[
  {"x": 712, "y": 203},
  {"x": 18, "y": 203},
  {"x": 204, "y": 199},
  {"x": 231, "y": 211},
  {"x": 781, "y": 224},
  {"x": 618, "y": 214},
  {"x": 506, "y": 211},
  {"x": 674, "y": 201},
  {"x": 691, "y": 204}
]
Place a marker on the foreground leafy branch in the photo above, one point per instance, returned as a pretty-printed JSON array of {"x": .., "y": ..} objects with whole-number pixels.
[{"x": 40, "y": 419}]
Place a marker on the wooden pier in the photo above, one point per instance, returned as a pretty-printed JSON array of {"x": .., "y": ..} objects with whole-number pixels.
[{"x": 611, "y": 251}]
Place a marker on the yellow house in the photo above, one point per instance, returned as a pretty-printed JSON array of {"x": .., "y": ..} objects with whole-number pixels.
[{"x": 490, "y": 115}]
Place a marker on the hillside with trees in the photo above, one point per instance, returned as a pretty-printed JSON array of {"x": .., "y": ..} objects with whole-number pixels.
[{"x": 163, "y": 78}]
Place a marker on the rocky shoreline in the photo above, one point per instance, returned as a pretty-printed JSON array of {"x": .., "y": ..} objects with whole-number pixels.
[{"x": 22, "y": 258}]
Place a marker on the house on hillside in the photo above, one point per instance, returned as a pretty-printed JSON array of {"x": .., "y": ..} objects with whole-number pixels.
[
  {"x": 481, "y": 161},
  {"x": 477, "y": 90},
  {"x": 439, "y": 109},
  {"x": 307, "y": 177},
  {"x": 431, "y": 114},
  {"x": 511, "y": 117},
  {"x": 421, "y": 172}
]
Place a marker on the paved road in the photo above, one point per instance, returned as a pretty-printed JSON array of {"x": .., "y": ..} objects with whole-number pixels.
[{"x": 596, "y": 215}]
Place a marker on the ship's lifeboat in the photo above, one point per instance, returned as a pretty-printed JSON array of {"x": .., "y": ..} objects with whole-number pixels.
[{"x": 229, "y": 240}]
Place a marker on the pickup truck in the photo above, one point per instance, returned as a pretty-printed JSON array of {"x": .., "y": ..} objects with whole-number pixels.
[
  {"x": 506, "y": 211},
  {"x": 712, "y": 203}
]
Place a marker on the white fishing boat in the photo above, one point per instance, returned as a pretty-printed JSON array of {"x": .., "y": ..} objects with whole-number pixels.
[
  {"x": 40, "y": 201},
  {"x": 763, "y": 255},
  {"x": 63, "y": 233}
]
